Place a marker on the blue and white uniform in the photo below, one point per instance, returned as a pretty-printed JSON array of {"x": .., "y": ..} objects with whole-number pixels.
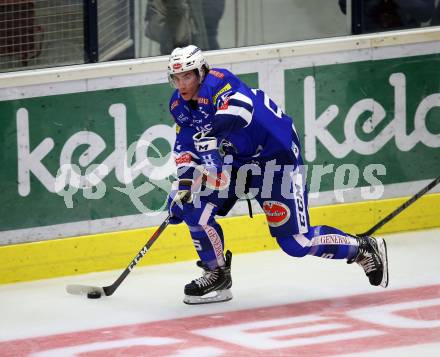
[{"x": 255, "y": 132}]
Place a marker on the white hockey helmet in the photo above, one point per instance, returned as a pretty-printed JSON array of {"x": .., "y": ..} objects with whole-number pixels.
[{"x": 186, "y": 59}]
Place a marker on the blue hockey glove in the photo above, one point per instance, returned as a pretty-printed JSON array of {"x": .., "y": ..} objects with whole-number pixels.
[
  {"x": 180, "y": 200},
  {"x": 207, "y": 147}
]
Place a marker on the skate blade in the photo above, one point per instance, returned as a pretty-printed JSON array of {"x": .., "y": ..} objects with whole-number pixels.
[
  {"x": 382, "y": 247},
  {"x": 215, "y": 296}
]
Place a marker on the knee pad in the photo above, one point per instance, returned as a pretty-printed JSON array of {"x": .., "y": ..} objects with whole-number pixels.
[{"x": 297, "y": 245}]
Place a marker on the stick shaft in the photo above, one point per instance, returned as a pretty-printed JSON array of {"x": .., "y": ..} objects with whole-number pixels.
[
  {"x": 399, "y": 209},
  {"x": 109, "y": 290}
]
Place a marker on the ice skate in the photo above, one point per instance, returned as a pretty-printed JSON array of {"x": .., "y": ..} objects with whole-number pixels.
[
  {"x": 372, "y": 257},
  {"x": 213, "y": 286}
]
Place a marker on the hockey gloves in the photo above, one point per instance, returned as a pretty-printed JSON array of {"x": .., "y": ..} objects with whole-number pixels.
[
  {"x": 179, "y": 200},
  {"x": 208, "y": 150},
  {"x": 207, "y": 147}
]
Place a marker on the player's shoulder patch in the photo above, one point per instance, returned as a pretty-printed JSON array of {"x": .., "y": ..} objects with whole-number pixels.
[
  {"x": 223, "y": 105},
  {"x": 177, "y": 129},
  {"x": 227, "y": 87},
  {"x": 174, "y": 100},
  {"x": 215, "y": 77},
  {"x": 217, "y": 74},
  {"x": 174, "y": 104}
]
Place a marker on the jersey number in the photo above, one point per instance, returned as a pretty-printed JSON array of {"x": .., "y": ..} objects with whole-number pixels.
[{"x": 269, "y": 103}]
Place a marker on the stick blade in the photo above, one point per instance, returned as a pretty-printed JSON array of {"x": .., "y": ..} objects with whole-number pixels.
[{"x": 76, "y": 289}]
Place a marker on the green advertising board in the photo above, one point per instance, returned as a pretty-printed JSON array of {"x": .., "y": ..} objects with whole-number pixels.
[
  {"x": 118, "y": 143},
  {"x": 382, "y": 113},
  {"x": 375, "y": 116}
]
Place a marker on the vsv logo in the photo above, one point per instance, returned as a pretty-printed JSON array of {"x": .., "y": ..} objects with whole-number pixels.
[
  {"x": 31, "y": 161},
  {"x": 317, "y": 126}
]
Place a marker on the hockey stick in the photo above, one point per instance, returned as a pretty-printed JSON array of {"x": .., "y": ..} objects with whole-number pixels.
[
  {"x": 398, "y": 210},
  {"x": 96, "y": 291}
]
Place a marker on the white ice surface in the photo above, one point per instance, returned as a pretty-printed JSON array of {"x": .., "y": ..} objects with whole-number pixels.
[{"x": 261, "y": 279}]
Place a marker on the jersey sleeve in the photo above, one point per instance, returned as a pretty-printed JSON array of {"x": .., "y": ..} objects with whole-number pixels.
[
  {"x": 184, "y": 152},
  {"x": 234, "y": 109}
]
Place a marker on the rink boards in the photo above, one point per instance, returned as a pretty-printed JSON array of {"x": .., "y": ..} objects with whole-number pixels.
[
  {"x": 97, "y": 115},
  {"x": 105, "y": 251}
]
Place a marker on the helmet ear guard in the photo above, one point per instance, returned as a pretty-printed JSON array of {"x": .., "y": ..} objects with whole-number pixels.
[{"x": 186, "y": 59}]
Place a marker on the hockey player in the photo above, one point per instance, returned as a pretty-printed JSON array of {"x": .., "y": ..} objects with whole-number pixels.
[{"x": 222, "y": 123}]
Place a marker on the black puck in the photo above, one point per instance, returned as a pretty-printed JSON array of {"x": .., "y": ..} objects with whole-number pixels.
[{"x": 94, "y": 295}]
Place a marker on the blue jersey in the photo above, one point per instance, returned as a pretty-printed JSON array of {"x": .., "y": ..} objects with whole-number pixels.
[
  {"x": 247, "y": 122},
  {"x": 253, "y": 130}
]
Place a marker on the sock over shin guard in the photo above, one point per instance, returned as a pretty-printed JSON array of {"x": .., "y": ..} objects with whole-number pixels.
[
  {"x": 321, "y": 241},
  {"x": 208, "y": 241}
]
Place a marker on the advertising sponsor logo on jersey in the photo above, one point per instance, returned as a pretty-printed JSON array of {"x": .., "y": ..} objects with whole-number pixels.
[
  {"x": 224, "y": 105},
  {"x": 277, "y": 213},
  {"x": 201, "y": 111},
  {"x": 174, "y": 104},
  {"x": 217, "y": 74},
  {"x": 219, "y": 182},
  {"x": 202, "y": 100},
  {"x": 183, "y": 159},
  {"x": 333, "y": 239},
  {"x": 182, "y": 117},
  {"x": 301, "y": 214},
  {"x": 215, "y": 240},
  {"x": 206, "y": 127},
  {"x": 221, "y": 91}
]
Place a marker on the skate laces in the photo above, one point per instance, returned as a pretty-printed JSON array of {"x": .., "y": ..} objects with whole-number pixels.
[
  {"x": 369, "y": 259},
  {"x": 209, "y": 277},
  {"x": 367, "y": 263}
]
